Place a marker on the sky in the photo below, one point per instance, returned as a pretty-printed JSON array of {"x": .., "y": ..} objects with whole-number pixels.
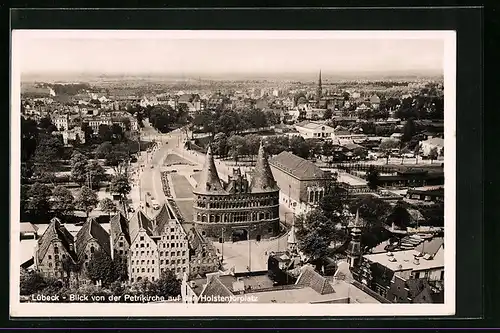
[{"x": 134, "y": 53}]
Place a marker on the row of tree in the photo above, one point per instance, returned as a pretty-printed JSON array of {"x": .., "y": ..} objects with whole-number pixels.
[{"x": 234, "y": 121}]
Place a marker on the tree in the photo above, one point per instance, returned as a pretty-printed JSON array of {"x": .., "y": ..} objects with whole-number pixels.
[
  {"x": 86, "y": 200},
  {"x": 120, "y": 184},
  {"x": 87, "y": 130},
  {"x": 386, "y": 146},
  {"x": 399, "y": 216},
  {"x": 108, "y": 206},
  {"x": 236, "y": 145},
  {"x": 409, "y": 130},
  {"x": 299, "y": 146},
  {"x": 48, "y": 151},
  {"x": 120, "y": 266},
  {"x": 371, "y": 209},
  {"x": 105, "y": 133},
  {"x": 38, "y": 202},
  {"x": 101, "y": 268},
  {"x": 252, "y": 142},
  {"x": 168, "y": 285},
  {"x": 315, "y": 233},
  {"x": 62, "y": 200},
  {"x": 328, "y": 114},
  {"x": 29, "y": 138},
  {"x": 433, "y": 154},
  {"x": 103, "y": 149},
  {"x": 372, "y": 176},
  {"x": 79, "y": 167},
  {"x": 219, "y": 144},
  {"x": 117, "y": 131},
  {"x": 96, "y": 173},
  {"x": 71, "y": 267},
  {"x": 32, "y": 282}
]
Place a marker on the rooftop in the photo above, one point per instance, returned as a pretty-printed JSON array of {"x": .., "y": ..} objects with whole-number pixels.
[
  {"x": 297, "y": 166},
  {"x": 405, "y": 260}
]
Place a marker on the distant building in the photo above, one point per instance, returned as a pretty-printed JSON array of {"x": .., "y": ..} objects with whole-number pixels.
[
  {"x": 301, "y": 182},
  {"x": 192, "y": 102},
  {"x": 28, "y": 231},
  {"x": 203, "y": 257},
  {"x": 61, "y": 122},
  {"x": 309, "y": 129},
  {"x": 375, "y": 102},
  {"x": 432, "y": 143},
  {"x": 120, "y": 235},
  {"x": 72, "y": 135}
]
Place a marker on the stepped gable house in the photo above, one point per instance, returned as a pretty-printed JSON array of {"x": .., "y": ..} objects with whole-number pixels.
[
  {"x": 156, "y": 245},
  {"x": 240, "y": 209},
  {"x": 120, "y": 236}
]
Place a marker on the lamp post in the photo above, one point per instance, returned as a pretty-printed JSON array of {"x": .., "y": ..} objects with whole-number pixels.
[{"x": 222, "y": 260}]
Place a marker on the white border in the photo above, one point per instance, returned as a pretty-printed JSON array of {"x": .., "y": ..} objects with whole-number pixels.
[{"x": 18, "y": 309}]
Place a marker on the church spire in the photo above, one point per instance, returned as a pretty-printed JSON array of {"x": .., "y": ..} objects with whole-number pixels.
[
  {"x": 262, "y": 178},
  {"x": 209, "y": 179},
  {"x": 319, "y": 92}
]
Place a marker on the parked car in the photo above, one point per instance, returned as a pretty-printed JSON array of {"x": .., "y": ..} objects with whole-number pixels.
[{"x": 173, "y": 170}]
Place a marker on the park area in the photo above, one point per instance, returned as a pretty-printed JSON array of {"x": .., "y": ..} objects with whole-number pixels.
[
  {"x": 182, "y": 187},
  {"x": 174, "y": 159}
]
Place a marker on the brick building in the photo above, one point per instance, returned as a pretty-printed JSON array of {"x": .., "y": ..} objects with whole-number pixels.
[
  {"x": 239, "y": 209},
  {"x": 301, "y": 183},
  {"x": 157, "y": 244},
  {"x": 55, "y": 245}
]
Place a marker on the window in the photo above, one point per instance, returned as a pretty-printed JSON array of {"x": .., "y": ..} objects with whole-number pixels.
[
  {"x": 161, "y": 262},
  {"x": 132, "y": 270},
  {"x": 142, "y": 244},
  {"x": 178, "y": 253},
  {"x": 142, "y": 262},
  {"x": 161, "y": 253},
  {"x": 178, "y": 261},
  {"x": 178, "y": 269},
  {"x": 86, "y": 256},
  {"x": 50, "y": 257},
  {"x": 121, "y": 251},
  {"x": 152, "y": 271},
  {"x": 152, "y": 262},
  {"x": 153, "y": 278},
  {"x": 148, "y": 270},
  {"x": 142, "y": 253},
  {"x": 50, "y": 264},
  {"x": 147, "y": 253},
  {"x": 166, "y": 262},
  {"x": 56, "y": 250},
  {"x": 142, "y": 238},
  {"x": 184, "y": 269},
  {"x": 171, "y": 229},
  {"x": 167, "y": 245},
  {"x": 172, "y": 254},
  {"x": 143, "y": 270},
  {"x": 132, "y": 262},
  {"x": 183, "y": 253},
  {"x": 120, "y": 244},
  {"x": 183, "y": 261},
  {"x": 147, "y": 262},
  {"x": 136, "y": 245},
  {"x": 147, "y": 245}
]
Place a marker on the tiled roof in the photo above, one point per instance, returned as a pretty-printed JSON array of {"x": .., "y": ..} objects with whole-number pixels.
[
  {"x": 430, "y": 246},
  {"x": 139, "y": 221},
  {"x": 262, "y": 178},
  {"x": 119, "y": 225},
  {"x": 312, "y": 125},
  {"x": 215, "y": 288},
  {"x": 55, "y": 231},
  {"x": 209, "y": 182},
  {"x": 92, "y": 230},
  {"x": 162, "y": 218},
  {"x": 297, "y": 166},
  {"x": 310, "y": 278}
]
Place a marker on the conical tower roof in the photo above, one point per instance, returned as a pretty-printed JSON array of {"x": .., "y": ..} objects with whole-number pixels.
[
  {"x": 209, "y": 182},
  {"x": 356, "y": 223},
  {"x": 262, "y": 178}
]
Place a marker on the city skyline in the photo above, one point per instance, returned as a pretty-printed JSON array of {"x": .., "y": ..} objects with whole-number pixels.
[{"x": 115, "y": 53}]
